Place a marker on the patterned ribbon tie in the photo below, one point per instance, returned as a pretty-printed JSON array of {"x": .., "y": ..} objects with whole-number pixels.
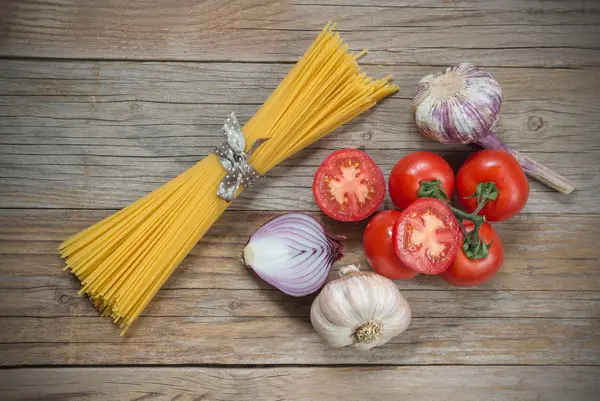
[{"x": 235, "y": 161}]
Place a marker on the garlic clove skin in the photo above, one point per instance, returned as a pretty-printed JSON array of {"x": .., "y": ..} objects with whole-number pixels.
[
  {"x": 458, "y": 105},
  {"x": 363, "y": 310}
]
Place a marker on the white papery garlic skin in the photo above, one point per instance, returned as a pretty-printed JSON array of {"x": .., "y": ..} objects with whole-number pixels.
[
  {"x": 459, "y": 105},
  {"x": 364, "y": 310}
]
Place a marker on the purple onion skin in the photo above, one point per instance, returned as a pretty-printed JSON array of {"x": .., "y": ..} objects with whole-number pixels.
[
  {"x": 282, "y": 228},
  {"x": 460, "y": 106}
]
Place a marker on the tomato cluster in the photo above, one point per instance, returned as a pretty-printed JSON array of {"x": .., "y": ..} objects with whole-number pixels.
[{"x": 425, "y": 236}]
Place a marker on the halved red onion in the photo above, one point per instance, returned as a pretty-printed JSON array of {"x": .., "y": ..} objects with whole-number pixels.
[{"x": 293, "y": 253}]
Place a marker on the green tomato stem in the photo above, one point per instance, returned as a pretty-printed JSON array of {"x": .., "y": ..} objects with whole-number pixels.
[
  {"x": 433, "y": 189},
  {"x": 474, "y": 247},
  {"x": 461, "y": 215}
]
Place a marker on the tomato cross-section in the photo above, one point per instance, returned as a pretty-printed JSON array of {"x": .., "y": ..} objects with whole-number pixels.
[
  {"x": 426, "y": 236},
  {"x": 379, "y": 248},
  {"x": 348, "y": 185}
]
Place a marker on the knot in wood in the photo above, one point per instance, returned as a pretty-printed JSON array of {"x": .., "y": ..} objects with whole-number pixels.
[
  {"x": 535, "y": 123},
  {"x": 65, "y": 299}
]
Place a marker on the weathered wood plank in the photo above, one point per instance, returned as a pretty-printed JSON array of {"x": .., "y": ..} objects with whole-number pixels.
[
  {"x": 287, "y": 187},
  {"x": 257, "y": 30},
  {"x": 523, "y": 383},
  {"x": 287, "y": 340},
  {"x": 543, "y": 252},
  {"x": 63, "y": 302},
  {"x": 152, "y": 104},
  {"x": 524, "y": 7},
  {"x": 75, "y": 135},
  {"x": 200, "y": 270},
  {"x": 100, "y": 135},
  {"x": 210, "y": 313}
]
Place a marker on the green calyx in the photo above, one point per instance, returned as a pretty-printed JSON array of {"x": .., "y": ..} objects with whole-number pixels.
[
  {"x": 432, "y": 189},
  {"x": 474, "y": 246},
  {"x": 485, "y": 191}
]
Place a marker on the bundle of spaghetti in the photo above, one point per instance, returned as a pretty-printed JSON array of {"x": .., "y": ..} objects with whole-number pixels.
[{"x": 123, "y": 260}]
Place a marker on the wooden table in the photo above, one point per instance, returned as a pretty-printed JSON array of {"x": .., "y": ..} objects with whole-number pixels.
[{"x": 103, "y": 101}]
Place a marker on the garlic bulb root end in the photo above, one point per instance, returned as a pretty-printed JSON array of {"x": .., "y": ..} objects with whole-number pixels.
[
  {"x": 368, "y": 332},
  {"x": 448, "y": 85}
]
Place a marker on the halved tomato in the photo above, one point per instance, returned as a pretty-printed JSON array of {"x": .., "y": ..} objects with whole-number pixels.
[
  {"x": 348, "y": 185},
  {"x": 379, "y": 248},
  {"x": 426, "y": 236}
]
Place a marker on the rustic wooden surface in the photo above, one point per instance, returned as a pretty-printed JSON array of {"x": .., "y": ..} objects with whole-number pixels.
[{"x": 101, "y": 102}]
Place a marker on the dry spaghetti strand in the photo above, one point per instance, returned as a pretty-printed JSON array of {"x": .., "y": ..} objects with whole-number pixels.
[{"x": 123, "y": 260}]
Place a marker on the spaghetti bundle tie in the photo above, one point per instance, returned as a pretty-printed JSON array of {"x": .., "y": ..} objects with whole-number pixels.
[{"x": 233, "y": 159}]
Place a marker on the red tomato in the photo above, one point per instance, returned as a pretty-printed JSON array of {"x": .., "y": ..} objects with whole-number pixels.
[
  {"x": 426, "y": 236},
  {"x": 379, "y": 250},
  {"x": 501, "y": 168},
  {"x": 348, "y": 185},
  {"x": 467, "y": 272},
  {"x": 407, "y": 174}
]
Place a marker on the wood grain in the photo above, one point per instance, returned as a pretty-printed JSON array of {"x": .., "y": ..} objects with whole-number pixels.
[
  {"x": 489, "y": 34},
  {"x": 58, "y": 301},
  {"x": 100, "y": 135},
  {"x": 289, "y": 340},
  {"x": 542, "y": 252},
  {"x": 233, "y": 317},
  {"x": 548, "y": 383},
  {"x": 101, "y": 102}
]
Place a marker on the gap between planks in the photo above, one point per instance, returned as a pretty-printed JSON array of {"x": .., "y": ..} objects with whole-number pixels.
[{"x": 279, "y": 62}]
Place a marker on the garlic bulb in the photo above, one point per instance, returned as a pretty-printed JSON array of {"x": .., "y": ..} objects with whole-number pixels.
[
  {"x": 458, "y": 105},
  {"x": 363, "y": 310},
  {"x": 461, "y": 105}
]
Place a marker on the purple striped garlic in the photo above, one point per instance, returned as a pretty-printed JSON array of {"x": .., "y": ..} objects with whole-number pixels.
[{"x": 461, "y": 105}]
